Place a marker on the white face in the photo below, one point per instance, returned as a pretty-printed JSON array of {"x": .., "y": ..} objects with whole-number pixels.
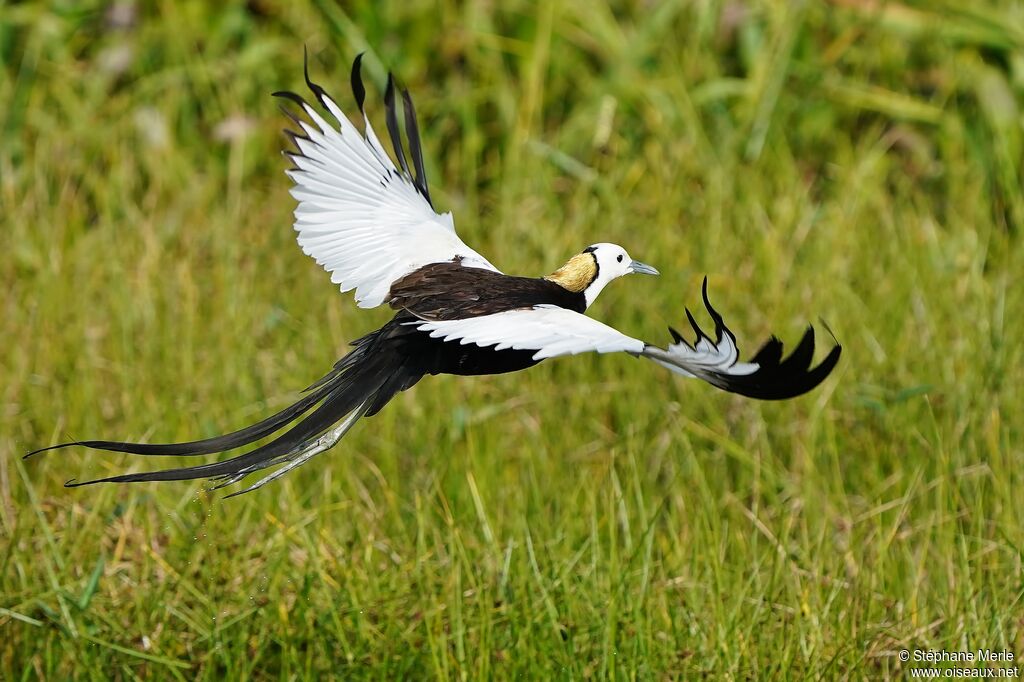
[{"x": 612, "y": 262}]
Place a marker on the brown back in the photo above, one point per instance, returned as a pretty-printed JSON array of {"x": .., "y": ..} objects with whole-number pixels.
[{"x": 450, "y": 291}]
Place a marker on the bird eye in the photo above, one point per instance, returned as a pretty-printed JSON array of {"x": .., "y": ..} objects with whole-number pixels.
[{"x": 619, "y": 258}]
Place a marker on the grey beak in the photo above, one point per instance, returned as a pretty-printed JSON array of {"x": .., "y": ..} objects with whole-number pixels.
[{"x": 642, "y": 268}]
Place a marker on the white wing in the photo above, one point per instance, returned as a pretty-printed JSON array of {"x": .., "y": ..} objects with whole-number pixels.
[
  {"x": 549, "y": 330},
  {"x": 552, "y": 331},
  {"x": 363, "y": 220}
]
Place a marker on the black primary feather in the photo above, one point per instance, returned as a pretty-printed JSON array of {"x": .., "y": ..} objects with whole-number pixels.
[
  {"x": 412, "y": 132},
  {"x": 294, "y": 97},
  {"x": 696, "y": 328},
  {"x": 720, "y": 327},
  {"x": 777, "y": 377},
  {"x": 356, "y": 79},
  {"x": 417, "y": 175},
  {"x": 316, "y": 89},
  {"x": 391, "y": 119}
]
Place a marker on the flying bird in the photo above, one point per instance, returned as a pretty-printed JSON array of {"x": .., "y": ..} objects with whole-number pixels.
[{"x": 372, "y": 225}]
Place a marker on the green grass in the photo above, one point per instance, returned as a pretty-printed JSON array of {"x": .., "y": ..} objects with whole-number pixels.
[{"x": 593, "y": 517}]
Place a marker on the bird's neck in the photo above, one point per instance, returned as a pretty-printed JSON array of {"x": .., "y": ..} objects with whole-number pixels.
[{"x": 578, "y": 273}]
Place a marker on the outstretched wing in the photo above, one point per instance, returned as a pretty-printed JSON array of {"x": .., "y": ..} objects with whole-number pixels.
[
  {"x": 553, "y": 331},
  {"x": 365, "y": 221},
  {"x": 766, "y": 376},
  {"x": 547, "y": 329}
]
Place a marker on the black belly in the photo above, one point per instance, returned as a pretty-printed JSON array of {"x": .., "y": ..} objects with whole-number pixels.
[
  {"x": 434, "y": 356},
  {"x": 451, "y": 357}
]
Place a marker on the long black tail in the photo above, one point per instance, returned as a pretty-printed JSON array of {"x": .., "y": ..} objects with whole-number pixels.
[{"x": 361, "y": 383}]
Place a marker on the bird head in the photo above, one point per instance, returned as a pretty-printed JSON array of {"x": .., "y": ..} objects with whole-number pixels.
[{"x": 588, "y": 272}]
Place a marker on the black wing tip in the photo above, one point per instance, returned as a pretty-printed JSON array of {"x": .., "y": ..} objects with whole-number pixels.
[
  {"x": 417, "y": 174},
  {"x": 770, "y": 352},
  {"x": 693, "y": 323},
  {"x": 415, "y": 146},
  {"x": 291, "y": 116},
  {"x": 720, "y": 327},
  {"x": 800, "y": 359},
  {"x": 701, "y": 336},
  {"x": 291, "y": 96},
  {"x": 391, "y": 119},
  {"x": 305, "y": 65},
  {"x": 782, "y": 378},
  {"x": 831, "y": 360},
  {"x": 356, "y": 79},
  {"x": 778, "y": 377},
  {"x": 716, "y": 317},
  {"x": 410, "y": 110},
  {"x": 314, "y": 88},
  {"x": 412, "y": 132}
]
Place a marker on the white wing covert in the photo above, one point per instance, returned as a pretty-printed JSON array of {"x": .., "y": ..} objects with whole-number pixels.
[
  {"x": 550, "y": 330},
  {"x": 361, "y": 218}
]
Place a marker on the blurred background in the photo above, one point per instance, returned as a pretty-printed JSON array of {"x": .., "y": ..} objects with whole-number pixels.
[{"x": 853, "y": 161}]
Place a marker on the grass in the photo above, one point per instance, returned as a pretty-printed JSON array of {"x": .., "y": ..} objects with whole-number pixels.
[{"x": 594, "y": 517}]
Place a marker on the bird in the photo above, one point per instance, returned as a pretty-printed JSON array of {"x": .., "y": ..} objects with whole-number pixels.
[{"x": 370, "y": 222}]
